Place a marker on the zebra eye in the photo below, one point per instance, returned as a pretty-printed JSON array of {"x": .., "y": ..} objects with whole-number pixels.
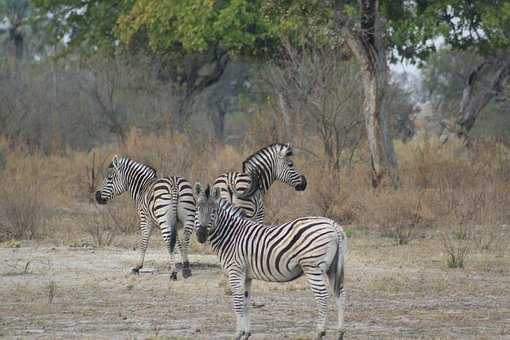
[{"x": 290, "y": 163}]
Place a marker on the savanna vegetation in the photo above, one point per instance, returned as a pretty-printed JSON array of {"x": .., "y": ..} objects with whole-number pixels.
[{"x": 194, "y": 87}]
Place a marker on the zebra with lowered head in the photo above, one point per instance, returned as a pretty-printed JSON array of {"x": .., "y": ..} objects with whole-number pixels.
[
  {"x": 248, "y": 250},
  {"x": 165, "y": 201},
  {"x": 246, "y": 189}
]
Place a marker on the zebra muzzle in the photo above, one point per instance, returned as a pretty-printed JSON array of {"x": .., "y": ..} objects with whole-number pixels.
[
  {"x": 202, "y": 234},
  {"x": 302, "y": 185},
  {"x": 100, "y": 199}
]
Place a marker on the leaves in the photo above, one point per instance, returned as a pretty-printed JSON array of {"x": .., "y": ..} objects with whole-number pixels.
[{"x": 254, "y": 27}]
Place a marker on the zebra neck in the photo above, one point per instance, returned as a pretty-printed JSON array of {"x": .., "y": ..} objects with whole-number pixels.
[
  {"x": 138, "y": 185},
  {"x": 228, "y": 226},
  {"x": 266, "y": 176}
]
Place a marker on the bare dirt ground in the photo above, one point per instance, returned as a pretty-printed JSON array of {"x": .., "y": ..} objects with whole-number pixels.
[{"x": 403, "y": 291}]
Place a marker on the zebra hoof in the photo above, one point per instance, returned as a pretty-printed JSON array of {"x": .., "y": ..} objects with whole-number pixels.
[
  {"x": 242, "y": 335},
  {"x": 257, "y": 305},
  {"x": 320, "y": 335},
  {"x": 173, "y": 276},
  {"x": 135, "y": 271},
  {"x": 186, "y": 272},
  {"x": 340, "y": 335}
]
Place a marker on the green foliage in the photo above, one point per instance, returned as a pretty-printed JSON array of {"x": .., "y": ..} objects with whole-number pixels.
[
  {"x": 88, "y": 26},
  {"x": 195, "y": 25},
  {"x": 255, "y": 27},
  {"x": 349, "y": 232},
  {"x": 483, "y": 25}
]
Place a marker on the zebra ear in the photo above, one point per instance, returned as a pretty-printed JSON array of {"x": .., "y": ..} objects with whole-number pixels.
[
  {"x": 289, "y": 149},
  {"x": 216, "y": 193},
  {"x": 198, "y": 188},
  {"x": 115, "y": 161}
]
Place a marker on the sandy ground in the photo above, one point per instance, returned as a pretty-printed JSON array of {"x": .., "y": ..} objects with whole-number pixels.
[{"x": 392, "y": 292}]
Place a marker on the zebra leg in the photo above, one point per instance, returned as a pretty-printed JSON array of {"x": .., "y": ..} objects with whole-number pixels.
[
  {"x": 238, "y": 285},
  {"x": 247, "y": 298},
  {"x": 146, "y": 229},
  {"x": 183, "y": 248},
  {"x": 340, "y": 305},
  {"x": 336, "y": 281},
  {"x": 318, "y": 283},
  {"x": 167, "y": 228},
  {"x": 173, "y": 269}
]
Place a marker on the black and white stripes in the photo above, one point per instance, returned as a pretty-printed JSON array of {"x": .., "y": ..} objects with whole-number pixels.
[
  {"x": 167, "y": 202},
  {"x": 246, "y": 189},
  {"x": 247, "y": 250}
]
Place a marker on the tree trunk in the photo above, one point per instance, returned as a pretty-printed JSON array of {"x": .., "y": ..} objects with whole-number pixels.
[
  {"x": 16, "y": 41},
  {"x": 199, "y": 78},
  {"x": 286, "y": 136},
  {"x": 218, "y": 121},
  {"x": 367, "y": 46},
  {"x": 484, "y": 83}
]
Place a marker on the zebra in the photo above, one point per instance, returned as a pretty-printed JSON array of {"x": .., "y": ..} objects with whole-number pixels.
[
  {"x": 246, "y": 189},
  {"x": 312, "y": 246},
  {"x": 165, "y": 201}
]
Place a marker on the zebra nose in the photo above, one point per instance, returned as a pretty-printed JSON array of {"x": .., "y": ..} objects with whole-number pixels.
[
  {"x": 302, "y": 185},
  {"x": 99, "y": 199}
]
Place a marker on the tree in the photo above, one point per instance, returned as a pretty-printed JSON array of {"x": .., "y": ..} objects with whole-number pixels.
[
  {"x": 446, "y": 74},
  {"x": 98, "y": 25},
  {"x": 375, "y": 31},
  {"x": 482, "y": 27},
  {"x": 313, "y": 87},
  {"x": 485, "y": 82},
  {"x": 15, "y": 14}
]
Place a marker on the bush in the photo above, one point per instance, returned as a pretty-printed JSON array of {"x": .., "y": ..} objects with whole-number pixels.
[
  {"x": 21, "y": 211},
  {"x": 101, "y": 228},
  {"x": 456, "y": 250},
  {"x": 400, "y": 215}
]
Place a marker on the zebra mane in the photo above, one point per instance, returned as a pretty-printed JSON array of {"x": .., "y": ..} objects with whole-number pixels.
[
  {"x": 256, "y": 153},
  {"x": 231, "y": 209},
  {"x": 125, "y": 159}
]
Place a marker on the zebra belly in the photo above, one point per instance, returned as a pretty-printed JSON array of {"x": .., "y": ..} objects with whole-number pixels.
[{"x": 274, "y": 275}]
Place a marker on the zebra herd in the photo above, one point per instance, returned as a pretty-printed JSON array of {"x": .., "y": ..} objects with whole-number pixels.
[{"x": 230, "y": 215}]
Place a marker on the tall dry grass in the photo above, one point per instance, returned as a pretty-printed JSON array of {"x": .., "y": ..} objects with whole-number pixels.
[{"x": 445, "y": 188}]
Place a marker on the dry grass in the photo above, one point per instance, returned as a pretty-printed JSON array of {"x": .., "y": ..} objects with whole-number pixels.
[
  {"x": 445, "y": 188},
  {"x": 392, "y": 292}
]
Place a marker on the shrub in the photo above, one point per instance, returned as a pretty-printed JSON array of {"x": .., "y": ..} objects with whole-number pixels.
[
  {"x": 456, "y": 250},
  {"x": 101, "y": 228},
  {"x": 399, "y": 215},
  {"x": 22, "y": 214}
]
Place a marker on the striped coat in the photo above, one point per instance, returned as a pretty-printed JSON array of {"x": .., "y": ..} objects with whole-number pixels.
[
  {"x": 167, "y": 202},
  {"x": 311, "y": 246}
]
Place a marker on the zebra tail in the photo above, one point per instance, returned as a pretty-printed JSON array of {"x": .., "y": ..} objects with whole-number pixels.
[
  {"x": 173, "y": 222},
  {"x": 338, "y": 265}
]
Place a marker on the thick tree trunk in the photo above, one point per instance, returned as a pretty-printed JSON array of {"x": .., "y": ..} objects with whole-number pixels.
[
  {"x": 199, "y": 78},
  {"x": 372, "y": 59},
  {"x": 484, "y": 83}
]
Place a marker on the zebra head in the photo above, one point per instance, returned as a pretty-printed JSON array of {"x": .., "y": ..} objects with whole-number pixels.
[
  {"x": 272, "y": 163},
  {"x": 285, "y": 170},
  {"x": 113, "y": 182},
  {"x": 207, "y": 205}
]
